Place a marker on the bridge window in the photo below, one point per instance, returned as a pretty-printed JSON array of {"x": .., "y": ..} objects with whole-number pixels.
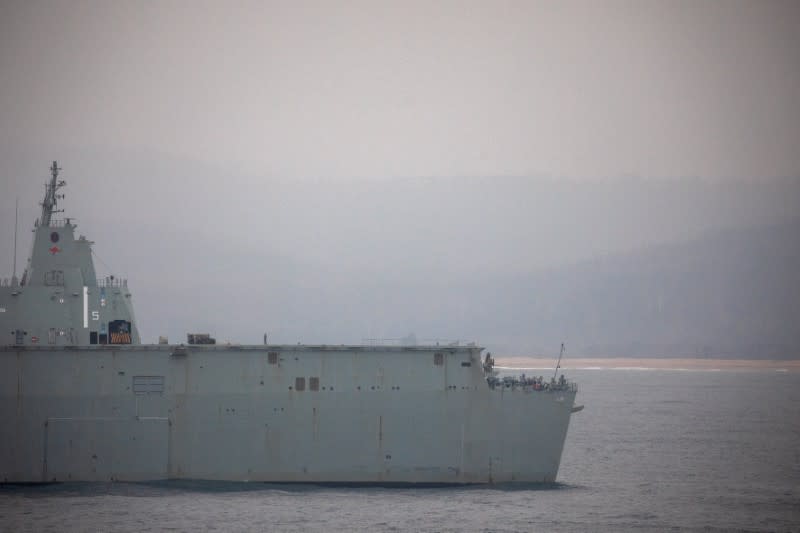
[{"x": 54, "y": 278}]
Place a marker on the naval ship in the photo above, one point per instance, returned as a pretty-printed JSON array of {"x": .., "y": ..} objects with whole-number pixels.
[{"x": 82, "y": 399}]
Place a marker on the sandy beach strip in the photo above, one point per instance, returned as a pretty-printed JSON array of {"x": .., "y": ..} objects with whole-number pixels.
[{"x": 788, "y": 365}]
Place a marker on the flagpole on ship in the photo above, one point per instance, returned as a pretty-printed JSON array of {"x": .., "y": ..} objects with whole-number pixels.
[{"x": 16, "y": 223}]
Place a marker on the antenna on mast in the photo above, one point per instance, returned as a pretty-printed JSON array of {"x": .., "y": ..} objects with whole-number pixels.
[
  {"x": 558, "y": 365},
  {"x": 50, "y": 196},
  {"x": 16, "y": 223}
]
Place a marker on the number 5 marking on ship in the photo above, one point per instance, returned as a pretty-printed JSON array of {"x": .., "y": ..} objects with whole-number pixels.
[{"x": 95, "y": 315}]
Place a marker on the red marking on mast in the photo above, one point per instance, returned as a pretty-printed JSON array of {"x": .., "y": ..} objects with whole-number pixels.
[{"x": 54, "y": 250}]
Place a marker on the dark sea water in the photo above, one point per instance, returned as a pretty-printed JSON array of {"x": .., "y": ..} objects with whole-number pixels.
[{"x": 654, "y": 450}]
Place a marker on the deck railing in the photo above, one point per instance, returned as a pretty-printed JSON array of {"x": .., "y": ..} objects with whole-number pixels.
[
  {"x": 528, "y": 384},
  {"x": 112, "y": 282}
]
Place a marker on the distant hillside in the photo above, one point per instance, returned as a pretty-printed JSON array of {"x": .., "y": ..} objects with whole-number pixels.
[
  {"x": 734, "y": 293},
  {"x": 731, "y": 294}
]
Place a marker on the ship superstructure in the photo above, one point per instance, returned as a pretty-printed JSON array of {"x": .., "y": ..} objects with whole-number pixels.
[
  {"x": 94, "y": 404},
  {"x": 59, "y": 301}
]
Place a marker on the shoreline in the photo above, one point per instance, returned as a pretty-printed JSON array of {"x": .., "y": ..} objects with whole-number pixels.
[{"x": 645, "y": 363}]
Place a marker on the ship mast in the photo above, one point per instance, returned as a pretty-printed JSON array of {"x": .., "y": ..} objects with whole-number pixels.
[
  {"x": 16, "y": 223},
  {"x": 50, "y": 196}
]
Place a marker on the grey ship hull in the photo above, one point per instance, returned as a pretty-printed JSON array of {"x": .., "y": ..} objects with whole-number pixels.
[{"x": 378, "y": 415}]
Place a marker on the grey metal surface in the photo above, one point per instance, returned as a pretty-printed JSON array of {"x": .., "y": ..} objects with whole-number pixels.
[{"x": 381, "y": 414}]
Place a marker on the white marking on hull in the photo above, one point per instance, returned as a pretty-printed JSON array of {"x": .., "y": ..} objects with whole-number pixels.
[{"x": 85, "y": 307}]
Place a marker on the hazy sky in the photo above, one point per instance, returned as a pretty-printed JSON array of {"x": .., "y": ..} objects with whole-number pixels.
[
  {"x": 379, "y": 89},
  {"x": 250, "y": 146}
]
